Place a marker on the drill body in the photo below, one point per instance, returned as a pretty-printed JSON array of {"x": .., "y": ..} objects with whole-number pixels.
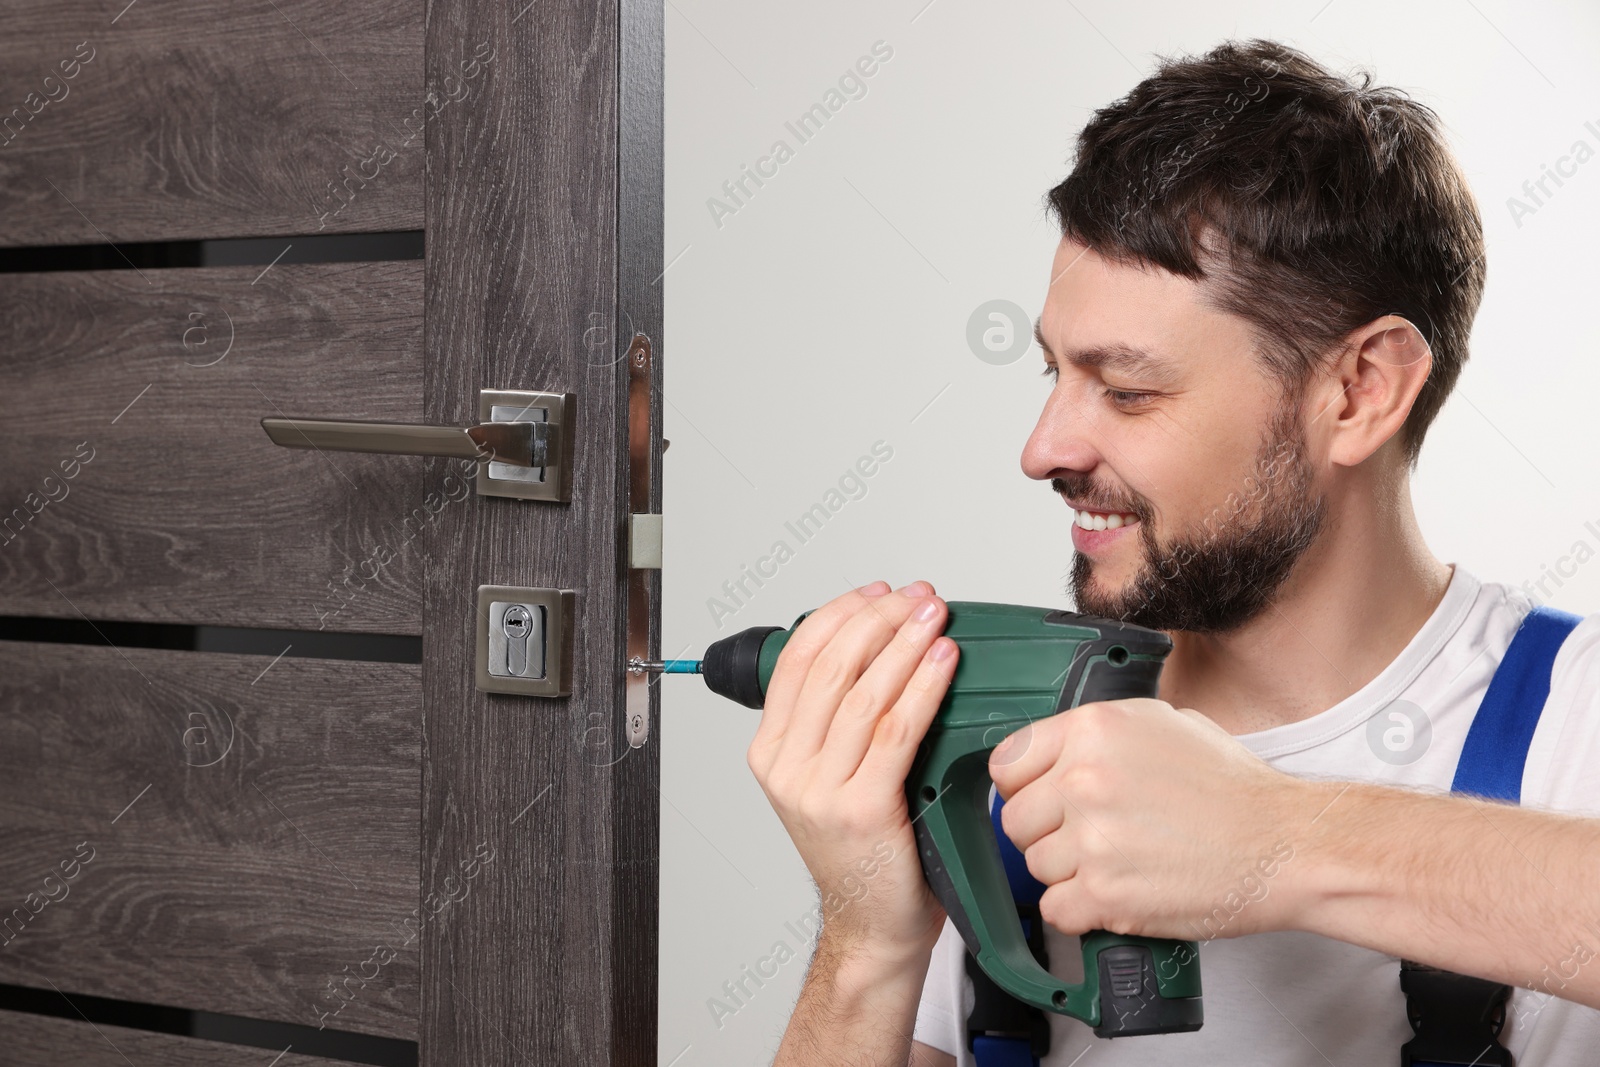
[{"x": 1017, "y": 665}]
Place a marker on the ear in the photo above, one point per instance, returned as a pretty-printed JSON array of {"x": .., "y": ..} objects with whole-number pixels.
[{"x": 1369, "y": 390}]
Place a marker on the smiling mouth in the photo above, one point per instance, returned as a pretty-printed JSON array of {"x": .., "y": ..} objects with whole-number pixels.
[{"x": 1102, "y": 520}]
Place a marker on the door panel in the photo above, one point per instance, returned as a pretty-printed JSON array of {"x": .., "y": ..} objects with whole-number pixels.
[
  {"x": 202, "y": 118},
  {"x": 138, "y": 483},
  {"x": 249, "y": 831}
]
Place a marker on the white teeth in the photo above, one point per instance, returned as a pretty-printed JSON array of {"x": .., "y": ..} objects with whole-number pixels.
[{"x": 1099, "y": 520}]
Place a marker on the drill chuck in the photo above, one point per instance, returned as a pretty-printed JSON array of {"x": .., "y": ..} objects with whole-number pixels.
[{"x": 732, "y": 666}]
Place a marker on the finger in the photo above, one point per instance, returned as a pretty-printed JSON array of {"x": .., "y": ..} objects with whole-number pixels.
[
  {"x": 1067, "y": 907},
  {"x": 839, "y": 665},
  {"x": 880, "y": 685},
  {"x": 1052, "y": 858},
  {"x": 901, "y": 729},
  {"x": 1026, "y": 753},
  {"x": 808, "y": 639},
  {"x": 1034, "y": 812}
]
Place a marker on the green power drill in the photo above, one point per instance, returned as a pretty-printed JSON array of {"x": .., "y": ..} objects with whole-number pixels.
[{"x": 1017, "y": 665}]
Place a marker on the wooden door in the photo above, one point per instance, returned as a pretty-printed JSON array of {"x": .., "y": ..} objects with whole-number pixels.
[{"x": 249, "y": 792}]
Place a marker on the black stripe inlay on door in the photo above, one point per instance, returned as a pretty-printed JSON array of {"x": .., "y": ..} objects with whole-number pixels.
[
  {"x": 226, "y": 252},
  {"x": 308, "y": 644},
  {"x": 233, "y": 1029}
]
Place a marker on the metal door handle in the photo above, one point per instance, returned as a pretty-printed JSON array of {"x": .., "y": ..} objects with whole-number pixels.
[
  {"x": 523, "y": 441},
  {"x": 524, "y": 444}
]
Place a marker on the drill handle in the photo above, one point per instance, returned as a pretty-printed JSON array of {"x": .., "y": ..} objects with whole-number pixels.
[{"x": 1131, "y": 985}]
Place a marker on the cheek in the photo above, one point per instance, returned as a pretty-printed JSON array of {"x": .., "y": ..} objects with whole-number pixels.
[{"x": 1195, "y": 478}]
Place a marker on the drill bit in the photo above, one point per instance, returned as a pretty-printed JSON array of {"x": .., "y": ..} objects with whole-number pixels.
[{"x": 671, "y": 666}]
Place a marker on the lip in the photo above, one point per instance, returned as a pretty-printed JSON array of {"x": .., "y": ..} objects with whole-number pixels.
[{"x": 1094, "y": 542}]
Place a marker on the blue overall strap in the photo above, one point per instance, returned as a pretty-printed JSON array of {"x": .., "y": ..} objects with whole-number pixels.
[
  {"x": 1496, "y": 750},
  {"x": 1025, "y": 889},
  {"x": 1457, "y": 1018},
  {"x": 1002, "y": 1052}
]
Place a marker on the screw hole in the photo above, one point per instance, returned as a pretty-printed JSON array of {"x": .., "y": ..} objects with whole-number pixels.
[
  {"x": 1118, "y": 655},
  {"x": 929, "y": 794},
  {"x": 1059, "y": 998}
]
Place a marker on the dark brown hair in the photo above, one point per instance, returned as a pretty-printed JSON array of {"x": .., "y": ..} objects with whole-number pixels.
[{"x": 1311, "y": 205}]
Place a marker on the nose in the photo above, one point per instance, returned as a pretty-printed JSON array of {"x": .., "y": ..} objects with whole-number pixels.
[{"x": 1062, "y": 439}]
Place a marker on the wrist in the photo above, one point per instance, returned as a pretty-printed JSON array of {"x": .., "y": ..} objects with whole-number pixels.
[
  {"x": 873, "y": 959},
  {"x": 1335, "y": 867},
  {"x": 888, "y": 982}
]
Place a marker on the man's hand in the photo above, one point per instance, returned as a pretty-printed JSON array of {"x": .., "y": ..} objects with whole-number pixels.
[
  {"x": 849, "y": 701},
  {"x": 1144, "y": 819}
]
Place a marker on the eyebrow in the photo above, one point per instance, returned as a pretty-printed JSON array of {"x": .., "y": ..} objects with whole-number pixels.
[{"x": 1126, "y": 358}]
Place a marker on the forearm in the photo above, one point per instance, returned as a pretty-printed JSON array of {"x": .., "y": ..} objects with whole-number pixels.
[
  {"x": 856, "y": 1007},
  {"x": 1467, "y": 885}
]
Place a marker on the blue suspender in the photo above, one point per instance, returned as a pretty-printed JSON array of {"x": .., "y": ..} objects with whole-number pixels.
[
  {"x": 1496, "y": 751},
  {"x": 1002, "y": 1052},
  {"x": 1491, "y": 765},
  {"x": 1025, "y": 889}
]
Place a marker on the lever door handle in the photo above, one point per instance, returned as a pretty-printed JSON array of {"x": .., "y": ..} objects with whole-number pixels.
[
  {"x": 523, "y": 444},
  {"x": 523, "y": 441}
]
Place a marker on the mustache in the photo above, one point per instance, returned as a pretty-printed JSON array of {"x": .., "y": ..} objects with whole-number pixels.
[{"x": 1082, "y": 488}]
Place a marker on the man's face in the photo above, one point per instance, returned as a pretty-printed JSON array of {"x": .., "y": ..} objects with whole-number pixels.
[{"x": 1179, "y": 452}]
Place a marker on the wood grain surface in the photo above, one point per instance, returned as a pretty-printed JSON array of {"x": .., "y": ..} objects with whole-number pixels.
[
  {"x": 185, "y": 512},
  {"x": 250, "y": 829},
  {"x": 40, "y": 1041},
  {"x": 191, "y": 119},
  {"x": 555, "y": 962}
]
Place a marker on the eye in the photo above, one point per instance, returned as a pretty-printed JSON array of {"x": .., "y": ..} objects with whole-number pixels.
[
  {"x": 1127, "y": 398},
  {"x": 1050, "y": 371}
]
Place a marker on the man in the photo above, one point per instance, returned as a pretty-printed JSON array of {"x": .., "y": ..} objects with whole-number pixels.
[{"x": 1261, "y": 299}]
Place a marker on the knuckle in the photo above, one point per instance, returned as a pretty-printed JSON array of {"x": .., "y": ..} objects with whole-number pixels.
[
  {"x": 927, "y": 682},
  {"x": 834, "y": 611},
  {"x": 1090, "y": 720},
  {"x": 1086, "y": 783},
  {"x": 1009, "y": 816},
  {"x": 830, "y": 669},
  {"x": 794, "y": 661},
  {"x": 1097, "y": 851},
  {"x": 1052, "y": 907},
  {"x": 1013, "y": 818},
  {"x": 781, "y": 785},
  {"x": 1033, "y": 858},
  {"x": 800, "y": 650},
  {"x": 814, "y": 809},
  {"x": 1089, "y": 729},
  {"x": 892, "y": 731},
  {"x": 860, "y": 703}
]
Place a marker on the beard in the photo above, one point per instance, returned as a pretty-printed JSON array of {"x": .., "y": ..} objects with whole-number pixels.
[{"x": 1224, "y": 572}]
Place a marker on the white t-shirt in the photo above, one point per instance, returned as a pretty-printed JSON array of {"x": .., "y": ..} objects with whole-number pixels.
[{"x": 1288, "y": 999}]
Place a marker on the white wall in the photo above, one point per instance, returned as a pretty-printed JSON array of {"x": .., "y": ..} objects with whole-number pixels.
[{"x": 830, "y": 309}]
